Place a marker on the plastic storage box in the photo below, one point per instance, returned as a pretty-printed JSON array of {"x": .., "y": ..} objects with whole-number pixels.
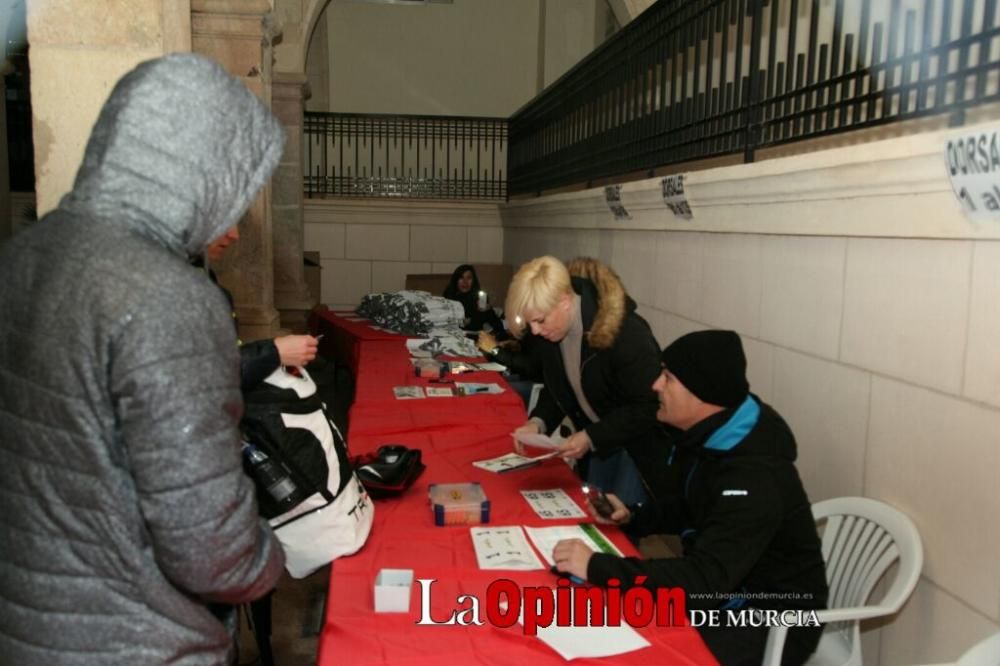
[{"x": 459, "y": 504}]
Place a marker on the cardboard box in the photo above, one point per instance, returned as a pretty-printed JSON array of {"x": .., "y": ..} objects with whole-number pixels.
[{"x": 392, "y": 590}]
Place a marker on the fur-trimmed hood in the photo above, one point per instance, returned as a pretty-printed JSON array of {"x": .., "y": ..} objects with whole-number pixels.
[{"x": 613, "y": 304}]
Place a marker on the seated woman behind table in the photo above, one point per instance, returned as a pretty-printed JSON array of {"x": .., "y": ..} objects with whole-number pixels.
[
  {"x": 598, "y": 360},
  {"x": 464, "y": 287}
]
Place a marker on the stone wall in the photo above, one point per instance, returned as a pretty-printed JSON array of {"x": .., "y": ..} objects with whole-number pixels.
[{"x": 866, "y": 302}]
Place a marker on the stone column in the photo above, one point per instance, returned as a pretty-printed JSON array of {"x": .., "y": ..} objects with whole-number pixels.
[
  {"x": 291, "y": 295},
  {"x": 236, "y": 33},
  {"x": 78, "y": 51}
]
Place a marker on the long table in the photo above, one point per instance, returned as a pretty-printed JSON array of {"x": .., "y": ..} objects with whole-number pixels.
[{"x": 451, "y": 433}]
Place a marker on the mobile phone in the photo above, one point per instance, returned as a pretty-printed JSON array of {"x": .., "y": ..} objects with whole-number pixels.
[{"x": 599, "y": 501}]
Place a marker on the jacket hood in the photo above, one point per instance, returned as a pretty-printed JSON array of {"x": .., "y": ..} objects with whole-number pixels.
[
  {"x": 596, "y": 282},
  {"x": 178, "y": 153}
]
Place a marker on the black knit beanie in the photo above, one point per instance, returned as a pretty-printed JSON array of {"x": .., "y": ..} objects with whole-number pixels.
[{"x": 711, "y": 365}]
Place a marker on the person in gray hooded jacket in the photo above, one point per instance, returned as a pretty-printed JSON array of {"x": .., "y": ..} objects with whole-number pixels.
[{"x": 124, "y": 509}]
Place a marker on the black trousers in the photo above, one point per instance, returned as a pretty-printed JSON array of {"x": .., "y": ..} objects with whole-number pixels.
[{"x": 744, "y": 646}]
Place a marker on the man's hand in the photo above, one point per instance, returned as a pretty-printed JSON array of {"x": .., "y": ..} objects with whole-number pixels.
[
  {"x": 572, "y": 556},
  {"x": 296, "y": 350},
  {"x": 532, "y": 428},
  {"x": 576, "y": 447},
  {"x": 619, "y": 515}
]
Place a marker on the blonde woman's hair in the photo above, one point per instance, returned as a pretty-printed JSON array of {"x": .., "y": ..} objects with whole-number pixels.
[{"x": 536, "y": 286}]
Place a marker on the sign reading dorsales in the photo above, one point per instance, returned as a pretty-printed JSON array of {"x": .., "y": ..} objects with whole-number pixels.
[
  {"x": 973, "y": 163},
  {"x": 672, "y": 188}
]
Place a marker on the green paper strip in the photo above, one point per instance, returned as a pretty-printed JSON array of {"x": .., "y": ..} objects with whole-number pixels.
[{"x": 602, "y": 543}]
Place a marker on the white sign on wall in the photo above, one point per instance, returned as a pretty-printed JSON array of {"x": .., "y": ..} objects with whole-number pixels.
[
  {"x": 973, "y": 164},
  {"x": 672, "y": 188},
  {"x": 613, "y": 197}
]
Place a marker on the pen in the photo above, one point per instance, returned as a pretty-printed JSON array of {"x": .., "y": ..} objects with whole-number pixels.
[{"x": 573, "y": 579}]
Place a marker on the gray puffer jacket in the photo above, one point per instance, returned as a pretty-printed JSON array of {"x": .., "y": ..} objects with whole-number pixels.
[{"x": 124, "y": 510}]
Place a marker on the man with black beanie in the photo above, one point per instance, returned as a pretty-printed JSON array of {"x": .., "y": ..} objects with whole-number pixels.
[{"x": 749, "y": 538}]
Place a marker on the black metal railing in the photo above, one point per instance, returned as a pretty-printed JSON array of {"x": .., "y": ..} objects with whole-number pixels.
[
  {"x": 424, "y": 157},
  {"x": 694, "y": 79}
]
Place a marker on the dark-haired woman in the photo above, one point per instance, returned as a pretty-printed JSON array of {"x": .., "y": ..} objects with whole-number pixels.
[{"x": 464, "y": 288}]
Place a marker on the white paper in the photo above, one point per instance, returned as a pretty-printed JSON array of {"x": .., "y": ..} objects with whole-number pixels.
[
  {"x": 511, "y": 461},
  {"x": 503, "y": 548},
  {"x": 592, "y": 642},
  {"x": 439, "y": 392},
  {"x": 546, "y": 538},
  {"x": 408, "y": 392},
  {"x": 492, "y": 367},
  {"x": 533, "y": 439},
  {"x": 413, "y": 346},
  {"x": 553, "y": 504},
  {"x": 472, "y": 388}
]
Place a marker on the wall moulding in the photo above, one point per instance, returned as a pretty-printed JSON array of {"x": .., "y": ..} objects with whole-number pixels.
[
  {"x": 893, "y": 188},
  {"x": 257, "y": 7},
  {"x": 364, "y": 211}
]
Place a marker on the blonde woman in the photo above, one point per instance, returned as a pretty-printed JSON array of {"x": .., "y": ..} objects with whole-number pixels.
[{"x": 598, "y": 358}]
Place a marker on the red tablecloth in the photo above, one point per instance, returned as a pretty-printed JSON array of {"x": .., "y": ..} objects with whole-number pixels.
[
  {"x": 376, "y": 411},
  {"x": 343, "y": 334},
  {"x": 404, "y": 537},
  {"x": 451, "y": 433}
]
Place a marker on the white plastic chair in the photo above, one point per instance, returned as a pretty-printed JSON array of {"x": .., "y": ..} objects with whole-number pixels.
[
  {"x": 862, "y": 538},
  {"x": 984, "y": 653}
]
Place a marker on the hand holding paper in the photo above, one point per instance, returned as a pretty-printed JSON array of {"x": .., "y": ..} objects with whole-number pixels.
[
  {"x": 577, "y": 446},
  {"x": 511, "y": 461},
  {"x": 535, "y": 439}
]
